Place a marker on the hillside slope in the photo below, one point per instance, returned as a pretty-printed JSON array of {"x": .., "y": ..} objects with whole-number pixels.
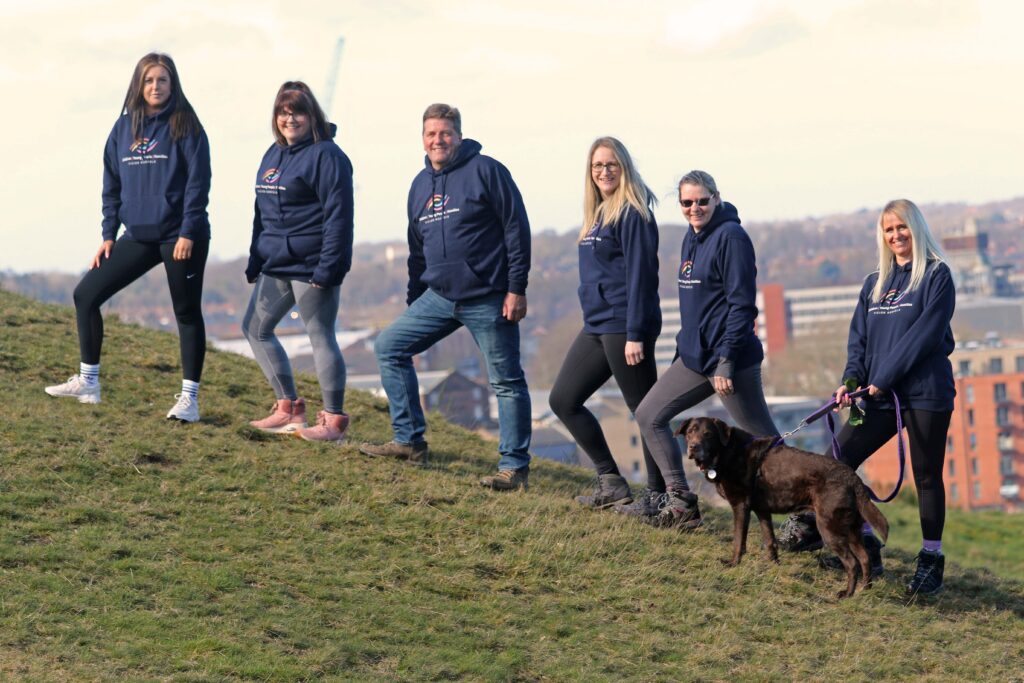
[{"x": 132, "y": 548}]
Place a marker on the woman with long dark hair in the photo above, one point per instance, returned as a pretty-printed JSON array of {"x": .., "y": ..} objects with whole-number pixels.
[
  {"x": 301, "y": 250},
  {"x": 156, "y": 183}
]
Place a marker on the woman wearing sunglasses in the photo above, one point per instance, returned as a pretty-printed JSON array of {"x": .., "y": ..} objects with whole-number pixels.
[
  {"x": 618, "y": 252},
  {"x": 718, "y": 351}
]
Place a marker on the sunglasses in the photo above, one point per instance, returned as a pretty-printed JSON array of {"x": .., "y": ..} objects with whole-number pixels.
[{"x": 687, "y": 203}]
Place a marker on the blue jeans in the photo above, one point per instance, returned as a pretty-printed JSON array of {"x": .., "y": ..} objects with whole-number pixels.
[{"x": 428, "y": 320}]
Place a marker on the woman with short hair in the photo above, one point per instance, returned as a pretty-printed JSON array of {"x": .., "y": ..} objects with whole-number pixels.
[
  {"x": 718, "y": 350},
  {"x": 301, "y": 251},
  {"x": 900, "y": 340},
  {"x": 156, "y": 183},
  {"x": 618, "y": 262}
]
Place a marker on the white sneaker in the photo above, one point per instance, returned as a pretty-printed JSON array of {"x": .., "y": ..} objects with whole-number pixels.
[
  {"x": 76, "y": 388},
  {"x": 185, "y": 410}
]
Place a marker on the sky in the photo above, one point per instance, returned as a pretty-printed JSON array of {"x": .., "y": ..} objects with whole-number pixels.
[{"x": 796, "y": 107}]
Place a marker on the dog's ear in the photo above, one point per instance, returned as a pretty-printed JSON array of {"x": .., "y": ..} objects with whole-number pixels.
[
  {"x": 724, "y": 431},
  {"x": 683, "y": 425}
]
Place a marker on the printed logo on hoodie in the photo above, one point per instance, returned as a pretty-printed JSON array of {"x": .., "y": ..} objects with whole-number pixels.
[
  {"x": 437, "y": 208},
  {"x": 891, "y": 302},
  {"x": 144, "y": 146},
  {"x": 142, "y": 153},
  {"x": 437, "y": 203},
  {"x": 269, "y": 179},
  {"x": 686, "y": 280}
]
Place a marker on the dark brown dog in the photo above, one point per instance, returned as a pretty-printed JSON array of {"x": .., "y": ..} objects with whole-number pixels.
[{"x": 753, "y": 476}]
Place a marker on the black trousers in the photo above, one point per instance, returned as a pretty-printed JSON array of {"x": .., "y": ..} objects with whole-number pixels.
[
  {"x": 591, "y": 361},
  {"x": 130, "y": 260},
  {"x": 926, "y": 432}
]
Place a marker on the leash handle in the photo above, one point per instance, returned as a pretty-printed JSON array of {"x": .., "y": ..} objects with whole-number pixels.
[{"x": 900, "y": 449}]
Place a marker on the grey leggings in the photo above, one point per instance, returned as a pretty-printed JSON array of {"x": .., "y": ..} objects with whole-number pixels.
[
  {"x": 272, "y": 298},
  {"x": 680, "y": 389}
]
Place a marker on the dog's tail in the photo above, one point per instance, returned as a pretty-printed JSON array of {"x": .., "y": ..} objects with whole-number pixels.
[{"x": 870, "y": 512}]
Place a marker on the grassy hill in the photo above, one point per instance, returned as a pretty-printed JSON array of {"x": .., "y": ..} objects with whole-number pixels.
[{"x": 132, "y": 548}]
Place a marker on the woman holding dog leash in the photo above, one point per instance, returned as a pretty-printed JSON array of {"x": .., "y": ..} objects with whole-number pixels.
[
  {"x": 718, "y": 351},
  {"x": 900, "y": 341},
  {"x": 618, "y": 252}
]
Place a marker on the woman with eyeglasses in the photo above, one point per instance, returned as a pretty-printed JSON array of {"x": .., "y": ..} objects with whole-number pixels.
[
  {"x": 301, "y": 250},
  {"x": 718, "y": 351},
  {"x": 156, "y": 183},
  {"x": 618, "y": 262}
]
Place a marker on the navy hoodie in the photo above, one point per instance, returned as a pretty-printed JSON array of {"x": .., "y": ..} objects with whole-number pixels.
[
  {"x": 468, "y": 231},
  {"x": 302, "y": 228},
  {"x": 619, "y": 278},
  {"x": 903, "y": 341},
  {"x": 717, "y": 291},
  {"x": 158, "y": 187}
]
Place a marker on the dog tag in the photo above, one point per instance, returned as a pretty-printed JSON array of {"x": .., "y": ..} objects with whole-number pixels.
[{"x": 711, "y": 474}]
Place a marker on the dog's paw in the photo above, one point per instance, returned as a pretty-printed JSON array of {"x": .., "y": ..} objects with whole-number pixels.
[{"x": 729, "y": 562}]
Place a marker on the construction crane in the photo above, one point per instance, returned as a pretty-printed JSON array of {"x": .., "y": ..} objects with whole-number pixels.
[{"x": 332, "y": 76}]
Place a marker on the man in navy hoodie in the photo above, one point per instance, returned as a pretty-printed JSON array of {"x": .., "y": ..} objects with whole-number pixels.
[{"x": 469, "y": 257}]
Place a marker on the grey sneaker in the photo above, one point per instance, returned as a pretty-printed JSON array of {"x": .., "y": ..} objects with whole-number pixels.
[
  {"x": 508, "y": 480},
  {"x": 76, "y": 387},
  {"x": 874, "y": 548},
  {"x": 927, "y": 579},
  {"x": 417, "y": 452},
  {"x": 611, "y": 489},
  {"x": 799, "y": 533},
  {"x": 647, "y": 504},
  {"x": 680, "y": 512}
]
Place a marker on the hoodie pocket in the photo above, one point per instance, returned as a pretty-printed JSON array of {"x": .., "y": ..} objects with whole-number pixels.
[
  {"x": 147, "y": 216},
  {"x": 305, "y": 249},
  {"x": 455, "y": 280},
  {"x": 596, "y": 309}
]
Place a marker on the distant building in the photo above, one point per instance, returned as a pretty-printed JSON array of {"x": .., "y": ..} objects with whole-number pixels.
[
  {"x": 985, "y": 442},
  {"x": 460, "y": 399}
]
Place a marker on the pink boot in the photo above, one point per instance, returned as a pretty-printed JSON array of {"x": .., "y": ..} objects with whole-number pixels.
[
  {"x": 288, "y": 416},
  {"x": 329, "y": 427}
]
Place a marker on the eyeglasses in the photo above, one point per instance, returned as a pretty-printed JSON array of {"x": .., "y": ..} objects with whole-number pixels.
[
  {"x": 294, "y": 115},
  {"x": 687, "y": 203},
  {"x": 611, "y": 167}
]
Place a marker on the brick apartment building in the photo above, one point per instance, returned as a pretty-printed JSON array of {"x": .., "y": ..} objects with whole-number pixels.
[{"x": 985, "y": 443}]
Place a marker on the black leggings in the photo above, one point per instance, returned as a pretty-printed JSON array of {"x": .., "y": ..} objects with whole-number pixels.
[
  {"x": 926, "y": 432},
  {"x": 130, "y": 260},
  {"x": 591, "y": 361}
]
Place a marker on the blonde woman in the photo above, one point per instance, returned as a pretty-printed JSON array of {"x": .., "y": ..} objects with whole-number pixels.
[
  {"x": 618, "y": 256},
  {"x": 900, "y": 340}
]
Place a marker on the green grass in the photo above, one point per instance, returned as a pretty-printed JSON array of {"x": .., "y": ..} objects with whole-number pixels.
[{"x": 132, "y": 548}]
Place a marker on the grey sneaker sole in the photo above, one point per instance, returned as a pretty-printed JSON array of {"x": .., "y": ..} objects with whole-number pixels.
[{"x": 604, "y": 506}]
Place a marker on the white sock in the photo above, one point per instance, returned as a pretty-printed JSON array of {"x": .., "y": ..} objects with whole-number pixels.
[
  {"x": 189, "y": 387},
  {"x": 90, "y": 374}
]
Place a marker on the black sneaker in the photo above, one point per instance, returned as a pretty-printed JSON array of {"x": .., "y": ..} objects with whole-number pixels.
[
  {"x": 647, "y": 504},
  {"x": 874, "y": 548},
  {"x": 799, "y": 533},
  {"x": 611, "y": 490},
  {"x": 928, "y": 577},
  {"x": 680, "y": 511}
]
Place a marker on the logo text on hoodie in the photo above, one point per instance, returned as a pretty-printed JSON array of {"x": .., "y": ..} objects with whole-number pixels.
[
  {"x": 891, "y": 302},
  {"x": 436, "y": 208},
  {"x": 142, "y": 153},
  {"x": 269, "y": 180}
]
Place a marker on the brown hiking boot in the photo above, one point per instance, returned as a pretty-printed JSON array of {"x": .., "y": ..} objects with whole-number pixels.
[
  {"x": 508, "y": 480},
  {"x": 611, "y": 490},
  {"x": 329, "y": 427},
  {"x": 285, "y": 417},
  {"x": 417, "y": 452}
]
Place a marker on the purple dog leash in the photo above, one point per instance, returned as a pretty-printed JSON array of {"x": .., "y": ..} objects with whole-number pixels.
[{"x": 826, "y": 412}]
